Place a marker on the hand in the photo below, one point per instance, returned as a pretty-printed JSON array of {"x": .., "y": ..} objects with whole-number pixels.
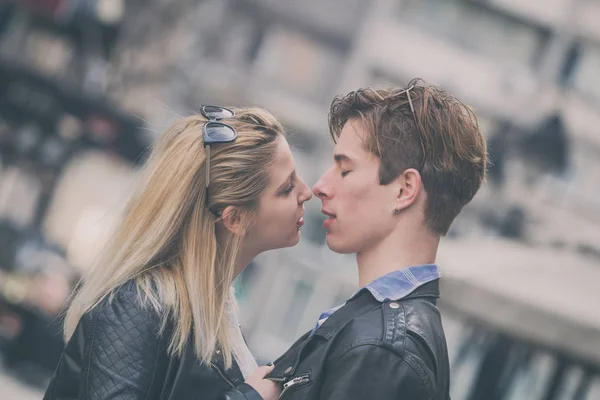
[{"x": 268, "y": 389}]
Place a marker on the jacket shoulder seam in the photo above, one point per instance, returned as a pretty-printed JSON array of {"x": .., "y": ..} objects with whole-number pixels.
[
  {"x": 361, "y": 342},
  {"x": 407, "y": 358},
  {"x": 413, "y": 363},
  {"x": 388, "y": 325}
]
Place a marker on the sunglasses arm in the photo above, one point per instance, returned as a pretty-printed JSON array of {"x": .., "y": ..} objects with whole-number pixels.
[{"x": 207, "y": 158}]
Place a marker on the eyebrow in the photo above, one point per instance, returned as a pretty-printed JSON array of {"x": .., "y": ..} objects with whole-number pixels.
[{"x": 339, "y": 158}]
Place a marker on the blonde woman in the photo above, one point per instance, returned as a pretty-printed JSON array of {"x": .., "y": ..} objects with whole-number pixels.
[{"x": 156, "y": 319}]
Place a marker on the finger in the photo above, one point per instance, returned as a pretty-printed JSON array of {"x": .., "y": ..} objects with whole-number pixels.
[{"x": 264, "y": 370}]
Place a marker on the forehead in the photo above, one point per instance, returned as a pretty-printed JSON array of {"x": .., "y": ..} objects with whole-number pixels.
[
  {"x": 352, "y": 141},
  {"x": 283, "y": 164}
]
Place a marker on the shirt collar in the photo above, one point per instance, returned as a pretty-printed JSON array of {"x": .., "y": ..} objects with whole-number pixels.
[
  {"x": 400, "y": 283},
  {"x": 393, "y": 286}
]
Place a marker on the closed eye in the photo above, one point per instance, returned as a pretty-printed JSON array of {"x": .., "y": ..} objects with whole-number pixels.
[{"x": 289, "y": 189}]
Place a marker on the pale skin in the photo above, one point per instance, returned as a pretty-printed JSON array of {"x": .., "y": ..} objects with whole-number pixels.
[
  {"x": 362, "y": 218},
  {"x": 277, "y": 225},
  {"x": 268, "y": 389}
]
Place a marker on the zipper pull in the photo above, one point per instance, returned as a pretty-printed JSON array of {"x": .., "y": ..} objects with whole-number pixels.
[{"x": 294, "y": 382}]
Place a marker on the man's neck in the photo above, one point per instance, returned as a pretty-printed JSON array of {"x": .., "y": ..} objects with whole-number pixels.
[{"x": 395, "y": 253}]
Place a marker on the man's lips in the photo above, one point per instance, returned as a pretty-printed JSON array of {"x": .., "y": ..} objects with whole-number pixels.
[
  {"x": 328, "y": 213},
  {"x": 329, "y": 221}
]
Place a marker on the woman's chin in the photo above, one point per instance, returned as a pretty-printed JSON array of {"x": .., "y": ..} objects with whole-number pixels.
[
  {"x": 295, "y": 239},
  {"x": 292, "y": 240}
]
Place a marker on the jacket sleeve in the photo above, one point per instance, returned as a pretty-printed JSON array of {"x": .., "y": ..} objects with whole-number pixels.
[
  {"x": 118, "y": 352},
  {"x": 375, "y": 373},
  {"x": 127, "y": 358},
  {"x": 242, "y": 392}
]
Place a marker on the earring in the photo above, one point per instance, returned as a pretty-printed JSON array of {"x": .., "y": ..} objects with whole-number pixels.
[{"x": 396, "y": 211}]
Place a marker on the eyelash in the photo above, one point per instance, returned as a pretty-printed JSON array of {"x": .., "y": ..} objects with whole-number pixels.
[
  {"x": 344, "y": 173},
  {"x": 289, "y": 190}
]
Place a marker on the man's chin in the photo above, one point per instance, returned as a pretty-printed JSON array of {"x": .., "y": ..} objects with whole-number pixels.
[{"x": 338, "y": 245}]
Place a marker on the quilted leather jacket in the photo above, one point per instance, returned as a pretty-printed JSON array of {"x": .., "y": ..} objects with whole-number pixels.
[{"x": 116, "y": 353}]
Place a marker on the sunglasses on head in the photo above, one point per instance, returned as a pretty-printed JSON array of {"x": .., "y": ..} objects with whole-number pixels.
[{"x": 214, "y": 131}]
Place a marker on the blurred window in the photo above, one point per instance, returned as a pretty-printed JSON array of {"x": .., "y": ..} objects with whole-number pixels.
[
  {"x": 533, "y": 378},
  {"x": 594, "y": 389},
  {"x": 279, "y": 44},
  {"x": 381, "y": 79},
  {"x": 19, "y": 193},
  {"x": 583, "y": 186},
  {"x": 478, "y": 27},
  {"x": 584, "y": 72},
  {"x": 485, "y": 362},
  {"x": 291, "y": 61},
  {"x": 50, "y": 53},
  {"x": 87, "y": 203},
  {"x": 570, "y": 383},
  {"x": 235, "y": 41},
  {"x": 337, "y": 16},
  {"x": 469, "y": 351}
]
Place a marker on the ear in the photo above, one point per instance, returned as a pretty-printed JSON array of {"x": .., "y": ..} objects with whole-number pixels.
[
  {"x": 409, "y": 186},
  {"x": 232, "y": 220}
]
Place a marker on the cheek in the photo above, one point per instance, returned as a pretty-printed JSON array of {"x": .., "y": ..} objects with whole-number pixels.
[
  {"x": 275, "y": 217},
  {"x": 366, "y": 214},
  {"x": 264, "y": 224},
  {"x": 358, "y": 198}
]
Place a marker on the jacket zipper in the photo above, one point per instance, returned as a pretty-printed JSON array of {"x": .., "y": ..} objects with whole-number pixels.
[
  {"x": 296, "y": 382},
  {"x": 222, "y": 375}
]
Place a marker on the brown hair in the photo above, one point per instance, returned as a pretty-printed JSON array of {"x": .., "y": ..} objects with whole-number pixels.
[{"x": 441, "y": 140}]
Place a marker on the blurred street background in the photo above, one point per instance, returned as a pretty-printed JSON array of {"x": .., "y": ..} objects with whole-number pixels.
[{"x": 87, "y": 85}]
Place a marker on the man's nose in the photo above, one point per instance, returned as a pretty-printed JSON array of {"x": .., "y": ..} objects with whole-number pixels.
[{"x": 320, "y": 188}]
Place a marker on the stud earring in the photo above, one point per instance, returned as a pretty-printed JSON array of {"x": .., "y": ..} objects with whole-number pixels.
[{"x": 396, "y": 211}]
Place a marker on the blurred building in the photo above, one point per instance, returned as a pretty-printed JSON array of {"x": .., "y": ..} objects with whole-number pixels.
[
  {"x": 529, "y": 68},
  {"x": 518, "y": 63},
  {"x": 66, "y": 161}
]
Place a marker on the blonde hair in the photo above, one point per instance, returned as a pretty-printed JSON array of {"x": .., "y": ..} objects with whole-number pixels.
[{"x": 167, "y": 240}]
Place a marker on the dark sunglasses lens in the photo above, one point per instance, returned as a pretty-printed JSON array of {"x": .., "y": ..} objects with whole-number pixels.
[
  {"x": 216, "y": 112},
  {"x": 218, "y": 133}
]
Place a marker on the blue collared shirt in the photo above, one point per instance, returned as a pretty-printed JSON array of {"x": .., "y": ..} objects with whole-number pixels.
[{"x": 394, "y": 286}]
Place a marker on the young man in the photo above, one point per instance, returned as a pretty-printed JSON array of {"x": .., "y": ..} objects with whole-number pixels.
[{"x": 405, "y": 163}]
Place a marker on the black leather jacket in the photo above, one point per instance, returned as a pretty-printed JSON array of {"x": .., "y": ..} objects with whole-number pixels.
[
  {"x": 371, "y": 350},
  {"x": 116, "y": 353}
]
